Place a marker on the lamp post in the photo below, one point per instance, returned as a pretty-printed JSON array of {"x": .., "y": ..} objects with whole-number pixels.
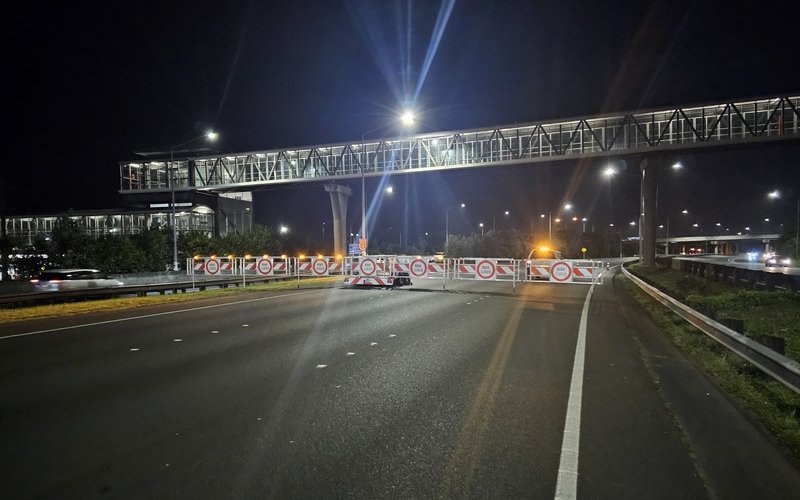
[
  {"x": 447, "y": 223},
  {"x": 567, "y": 207},
  {"x": 406, "y": 119},
  {"x": 481, "y": 226},
  {"x": 494, "y": 220},
  {"x": 210, "y": 136}
]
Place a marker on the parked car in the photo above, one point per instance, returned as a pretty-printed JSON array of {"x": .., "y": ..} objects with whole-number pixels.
[{"x": 53, "y": 280}]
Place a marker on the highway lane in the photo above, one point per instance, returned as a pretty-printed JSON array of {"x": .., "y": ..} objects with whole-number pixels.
[{"x": 344, "y": 393}]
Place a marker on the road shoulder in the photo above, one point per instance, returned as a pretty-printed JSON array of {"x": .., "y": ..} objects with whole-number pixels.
[{"x": 736, "y": 456}]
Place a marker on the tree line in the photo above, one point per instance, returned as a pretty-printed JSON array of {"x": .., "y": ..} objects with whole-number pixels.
[{"x": 151, "y": 251}]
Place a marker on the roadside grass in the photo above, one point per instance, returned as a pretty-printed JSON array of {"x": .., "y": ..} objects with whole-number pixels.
[
  {"x": 117, "y": 303},
  {"x": 772, "y": 403},
  {"x": 775, "y": 314}
]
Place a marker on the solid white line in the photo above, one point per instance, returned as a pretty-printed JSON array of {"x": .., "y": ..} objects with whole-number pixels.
[
  {"x": 567, "y": 483},
  {"x": 132, "y": 318}
]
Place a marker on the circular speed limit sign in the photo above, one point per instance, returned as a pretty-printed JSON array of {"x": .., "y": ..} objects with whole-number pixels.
[{"x": 561, "y": 271}]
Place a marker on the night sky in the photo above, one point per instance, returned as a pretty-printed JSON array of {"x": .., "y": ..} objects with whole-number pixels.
[{"x": 91, "y": 84}]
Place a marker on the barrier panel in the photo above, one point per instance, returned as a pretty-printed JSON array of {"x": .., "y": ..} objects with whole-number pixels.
[
  {"x": 391, "y": 270},
  {"x": 506, "y": 270},
  {"x": 564, "y": 271},
  {"x": 319, "y": 266},
  {"x": 437, "y": 269},
  {"x": 265, "y": 266},
  {"x": 198, "y": 266},
  {"x": 484, "y": 269},
  {"x": 219, "y": 266},
  {"x": 374, "y": 270},
  {"x": 413, "y": 267}
]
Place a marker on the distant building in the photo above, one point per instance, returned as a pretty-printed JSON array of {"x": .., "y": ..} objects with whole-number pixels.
[
  {"x": 210, "y": 213},
  {"x": 147, "y": 203}
]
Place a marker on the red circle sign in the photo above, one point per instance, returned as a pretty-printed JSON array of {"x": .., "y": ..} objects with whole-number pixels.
[
  {"x": 485, "y": 269},
  {"x": 265, "y": 266},
  {"x": 561, "y": 271},
  {"x": 367, "y": 267},
  {"x": 418, "y": 268},
  {"x": 212, "y": 266},
  {"x": 320, "y": 267}
]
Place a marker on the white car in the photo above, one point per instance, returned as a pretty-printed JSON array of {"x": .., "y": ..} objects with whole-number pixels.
[{"x": 72, "y": 279}]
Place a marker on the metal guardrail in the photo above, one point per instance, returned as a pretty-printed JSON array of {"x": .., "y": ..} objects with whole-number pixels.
[
  {"x": 779, "y": 367},
  {"x": 740, "y": 273}
]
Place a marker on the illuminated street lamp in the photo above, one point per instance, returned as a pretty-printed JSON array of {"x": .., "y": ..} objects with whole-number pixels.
[
  {"x": 774, "y": 195},
  {"x": 210, "y": 136},
  {"x": 407, "y": 119},
  {"x": 609, "y": 172},
  {"x": 481, "y": 226}
]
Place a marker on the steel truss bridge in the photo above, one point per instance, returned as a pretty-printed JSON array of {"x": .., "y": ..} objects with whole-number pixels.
[{"x": 664, "y": 130}]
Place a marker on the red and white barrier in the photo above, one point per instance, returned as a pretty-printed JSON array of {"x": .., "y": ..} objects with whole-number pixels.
[
  {"x": 219, "y": 266},
  {"x": 485, "y": 269},
  {"x": 413, "y": 267},
  {"x": 370, "y": 280}
]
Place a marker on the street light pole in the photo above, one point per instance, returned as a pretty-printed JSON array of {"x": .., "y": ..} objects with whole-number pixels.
[
  {"x": 211, "y": 136},
  {"x": 172, "y": 204},
  {"x": 447, "y": 223}
]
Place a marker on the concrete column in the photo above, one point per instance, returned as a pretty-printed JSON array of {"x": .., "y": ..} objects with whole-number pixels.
[
  {"x": 650, "y": 167},
  {"x": 339, "y": 195}
]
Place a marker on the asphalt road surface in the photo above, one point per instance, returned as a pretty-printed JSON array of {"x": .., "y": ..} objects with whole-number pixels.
[{"x": 473, "y": 392}]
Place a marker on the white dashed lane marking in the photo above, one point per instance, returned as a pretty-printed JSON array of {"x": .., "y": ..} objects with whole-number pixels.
[
  {"x": 350, "y": 354},
  {"x": 319, "y": 367},
  {"x": 134, "y": 349},
  {"x": 177, "y": 340}
]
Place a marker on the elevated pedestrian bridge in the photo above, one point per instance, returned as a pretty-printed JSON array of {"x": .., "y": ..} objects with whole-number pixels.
[{"x": 723, "y": 124}]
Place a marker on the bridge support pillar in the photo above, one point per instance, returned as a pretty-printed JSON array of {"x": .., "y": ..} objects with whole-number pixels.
[
  {"x": 650, "y": 168},
  {"x": 339, "y": 195}
]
